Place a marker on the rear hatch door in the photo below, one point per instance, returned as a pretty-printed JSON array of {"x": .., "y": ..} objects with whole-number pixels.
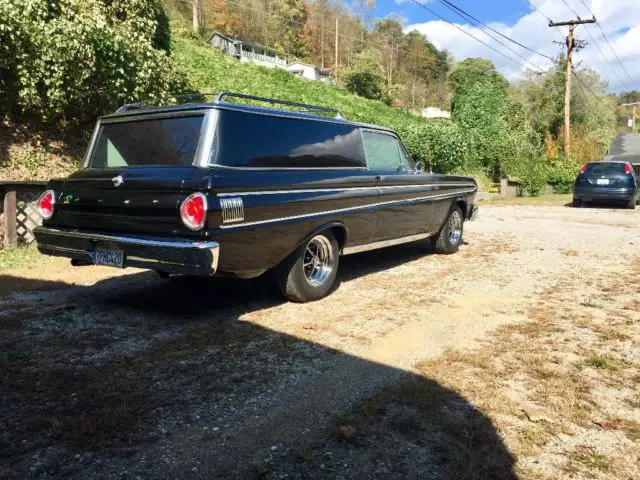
[
  {"x": 134, "y": 176},
  {"x": 606, "y": 175}
]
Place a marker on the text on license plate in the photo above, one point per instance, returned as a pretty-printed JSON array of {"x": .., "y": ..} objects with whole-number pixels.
[
  {"x": 602, "y": 181},
  {"x": 110, "y": 258}
]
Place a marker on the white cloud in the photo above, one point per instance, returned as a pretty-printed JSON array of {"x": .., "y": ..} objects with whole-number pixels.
[{"x": 620, "y": 20}]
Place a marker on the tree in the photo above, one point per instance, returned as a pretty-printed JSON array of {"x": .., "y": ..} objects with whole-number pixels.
[
  {"x": 292, "y": 16},
  {"x": 472, "y": 71},
  {"x": 365, "y": 77}
]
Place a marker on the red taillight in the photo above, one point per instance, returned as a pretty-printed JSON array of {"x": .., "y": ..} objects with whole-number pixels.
[
  {"x": 45, "y": 204},
  {"x": 583, "y": 168},
  {"x": 193, "y": 211},
  {"x": 627, "y": 168}
]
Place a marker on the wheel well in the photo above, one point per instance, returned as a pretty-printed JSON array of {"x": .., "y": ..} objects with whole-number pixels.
[
  {"x": 341, "y": 235},
  {"x": 463, "y": 206}
]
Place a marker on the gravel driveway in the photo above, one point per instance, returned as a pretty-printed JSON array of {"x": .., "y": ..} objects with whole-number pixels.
[{"x": 109, "y": 374}]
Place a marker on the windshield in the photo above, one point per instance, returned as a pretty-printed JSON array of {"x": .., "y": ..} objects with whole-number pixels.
[
  {"x": 602, "y": 168},
  {"x": 152, "y": 142}
]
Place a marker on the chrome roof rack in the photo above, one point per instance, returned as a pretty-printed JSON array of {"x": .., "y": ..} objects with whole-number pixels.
[
  {"x": 219, "y": 98},
  {"x": 309, "y": 108}
]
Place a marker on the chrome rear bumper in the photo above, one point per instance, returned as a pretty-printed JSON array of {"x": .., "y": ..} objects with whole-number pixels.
[{"x": 163, "y": 254}]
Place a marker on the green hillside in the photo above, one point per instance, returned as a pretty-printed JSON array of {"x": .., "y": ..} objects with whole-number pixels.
[{"x": 208, "y": 70}]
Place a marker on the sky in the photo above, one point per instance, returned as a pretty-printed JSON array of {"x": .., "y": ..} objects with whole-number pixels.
[{"x": 619, "y": 19}]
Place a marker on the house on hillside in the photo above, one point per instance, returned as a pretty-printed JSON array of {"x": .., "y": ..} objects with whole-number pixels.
[
  {"x": 310, "y": 72},
  {"x": 435, "y": 112},
  {"x": 247, "y": 51}
]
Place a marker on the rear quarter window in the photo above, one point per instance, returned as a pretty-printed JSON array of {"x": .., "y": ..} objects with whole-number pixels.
[{"x": 254, "y": 140}]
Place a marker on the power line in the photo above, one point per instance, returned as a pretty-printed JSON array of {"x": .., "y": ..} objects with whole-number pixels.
[
  {"x": 453, "y": 6},
  {"x": 562, "y": 38},
  {"x": 432, "y": 12},
  {"x": 609, "y": 44},
  {"x": 572, "y": 9},
  {"x": 595, "y": 95},
  {"x": 604, "y": 56}
]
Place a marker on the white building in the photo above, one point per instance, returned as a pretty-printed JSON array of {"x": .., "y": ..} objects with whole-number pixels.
[
  {"x": 435, "y": 112},
  {"x": 310, "y": 72},
  {"x": 247, "y": 51}
]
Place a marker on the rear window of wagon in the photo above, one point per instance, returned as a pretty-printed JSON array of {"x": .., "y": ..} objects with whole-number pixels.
[
  {"x": 269, "y": 141},
  {"x": 170, "y": 141}
]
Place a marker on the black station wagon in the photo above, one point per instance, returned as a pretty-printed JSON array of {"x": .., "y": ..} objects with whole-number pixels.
[{"x": 230, "y": 188}]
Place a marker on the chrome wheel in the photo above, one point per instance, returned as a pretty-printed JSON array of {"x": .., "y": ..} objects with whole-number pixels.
[
  {"x": 318, "y": 260},
  {"x": 455, "y": 228}
]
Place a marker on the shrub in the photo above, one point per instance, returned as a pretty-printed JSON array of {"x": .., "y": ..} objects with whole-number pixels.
[
  {"x": 64, "y": 60},
  {"x": 440, "y": 143},
  {"x": 532, "y": 172}
]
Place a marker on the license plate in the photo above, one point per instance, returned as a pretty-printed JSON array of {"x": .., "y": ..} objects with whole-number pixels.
[
  {"x": 110, "y": 258},
  {"x": 602, "y": 181}
]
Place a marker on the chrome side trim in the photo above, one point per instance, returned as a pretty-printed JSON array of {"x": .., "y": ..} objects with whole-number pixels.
[
  {"x": 147, "y": 242},
  {"x": 331, "y": 190},
  {"x": 277, "y": 169},
  {"x": 232, "y": 209},
  {"x": 384, "y": 243},
  {"x": 342, "y": 210}
]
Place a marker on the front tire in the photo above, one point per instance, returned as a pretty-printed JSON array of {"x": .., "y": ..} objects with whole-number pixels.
[
  {"x": 310, "y": 272},
  {"x": 577, "y": 203},
  {"x": 449, "y": 239}
]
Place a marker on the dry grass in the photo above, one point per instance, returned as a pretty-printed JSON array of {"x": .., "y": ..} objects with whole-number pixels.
[{"x": 555, "y": 397}]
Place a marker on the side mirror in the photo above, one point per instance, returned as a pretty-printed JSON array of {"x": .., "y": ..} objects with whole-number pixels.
[{"x": 419, "y": 167}]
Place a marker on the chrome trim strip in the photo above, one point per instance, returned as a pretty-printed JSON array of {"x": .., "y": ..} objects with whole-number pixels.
[
  {"x": 329, "y": 190},
  {"x": 341, "y": 210},
  {"x": 277, "y": 169},
  {"x": 384, "y": 243},
  {"x": 198, "y": 245}
]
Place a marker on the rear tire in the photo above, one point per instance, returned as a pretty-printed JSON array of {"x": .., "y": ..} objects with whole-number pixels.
[
  {"x": 577, "y": 203},
  {"x": 309, "y": 273},
  {"x": 449, "y": 239},
  {"x": 632, "y": 204}
]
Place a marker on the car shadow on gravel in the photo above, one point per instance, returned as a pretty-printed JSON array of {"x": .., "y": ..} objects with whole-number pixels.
[{"x": 136, "y": 377}]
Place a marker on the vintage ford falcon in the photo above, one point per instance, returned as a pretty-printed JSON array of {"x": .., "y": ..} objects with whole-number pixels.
[{"x": 230, "y": 188}]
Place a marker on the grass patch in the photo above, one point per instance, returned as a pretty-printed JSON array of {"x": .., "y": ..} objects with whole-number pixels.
[
  {"x": 603, "y": 362},
  {"x": 20, "y": 257},
  {"x": 554, "y": 199},
  {"x": 592, "y": 460},
  {"x": 591, "y": 303}
]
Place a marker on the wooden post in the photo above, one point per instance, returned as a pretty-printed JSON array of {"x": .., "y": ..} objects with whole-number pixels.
[{"x": 10, "y": 234}]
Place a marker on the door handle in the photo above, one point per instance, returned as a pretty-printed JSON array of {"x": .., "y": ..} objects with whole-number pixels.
[{"x": 379, "y": 178}]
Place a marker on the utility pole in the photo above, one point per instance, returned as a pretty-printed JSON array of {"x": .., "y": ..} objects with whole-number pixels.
[
  {"x": 336, "y": 55},
  {"x": 633, "y": 119},
  {"x": 197, "y": 10},
  {"x": 571, "y": 45}
]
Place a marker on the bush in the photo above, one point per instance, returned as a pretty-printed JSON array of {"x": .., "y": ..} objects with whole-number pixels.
[
  {"x": 532, "y": 173},
  {"x": 440, "y": 143},
  {"x": 562, "y": 174},
  {"x": 64, "y": 60}
]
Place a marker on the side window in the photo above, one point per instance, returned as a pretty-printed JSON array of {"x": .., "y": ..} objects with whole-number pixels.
[{"x": 384, "y": 153}]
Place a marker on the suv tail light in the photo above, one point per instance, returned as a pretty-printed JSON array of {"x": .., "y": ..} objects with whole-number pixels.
[
  {"x": 46, "y": 203},
  {"x": 193, "y": 211},
  {"x": 627, "y": 168},
  {"x": 583, "y": 168}
]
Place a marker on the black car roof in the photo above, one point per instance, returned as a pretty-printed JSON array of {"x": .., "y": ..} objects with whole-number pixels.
[{"x": 142, "y": 111}]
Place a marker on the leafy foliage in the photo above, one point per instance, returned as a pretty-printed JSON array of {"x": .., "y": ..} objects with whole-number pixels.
[
  {"x": 440, "y": 143},
  {"x": 73, "y": 59},
  {"x": 365, "y": 78}
]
